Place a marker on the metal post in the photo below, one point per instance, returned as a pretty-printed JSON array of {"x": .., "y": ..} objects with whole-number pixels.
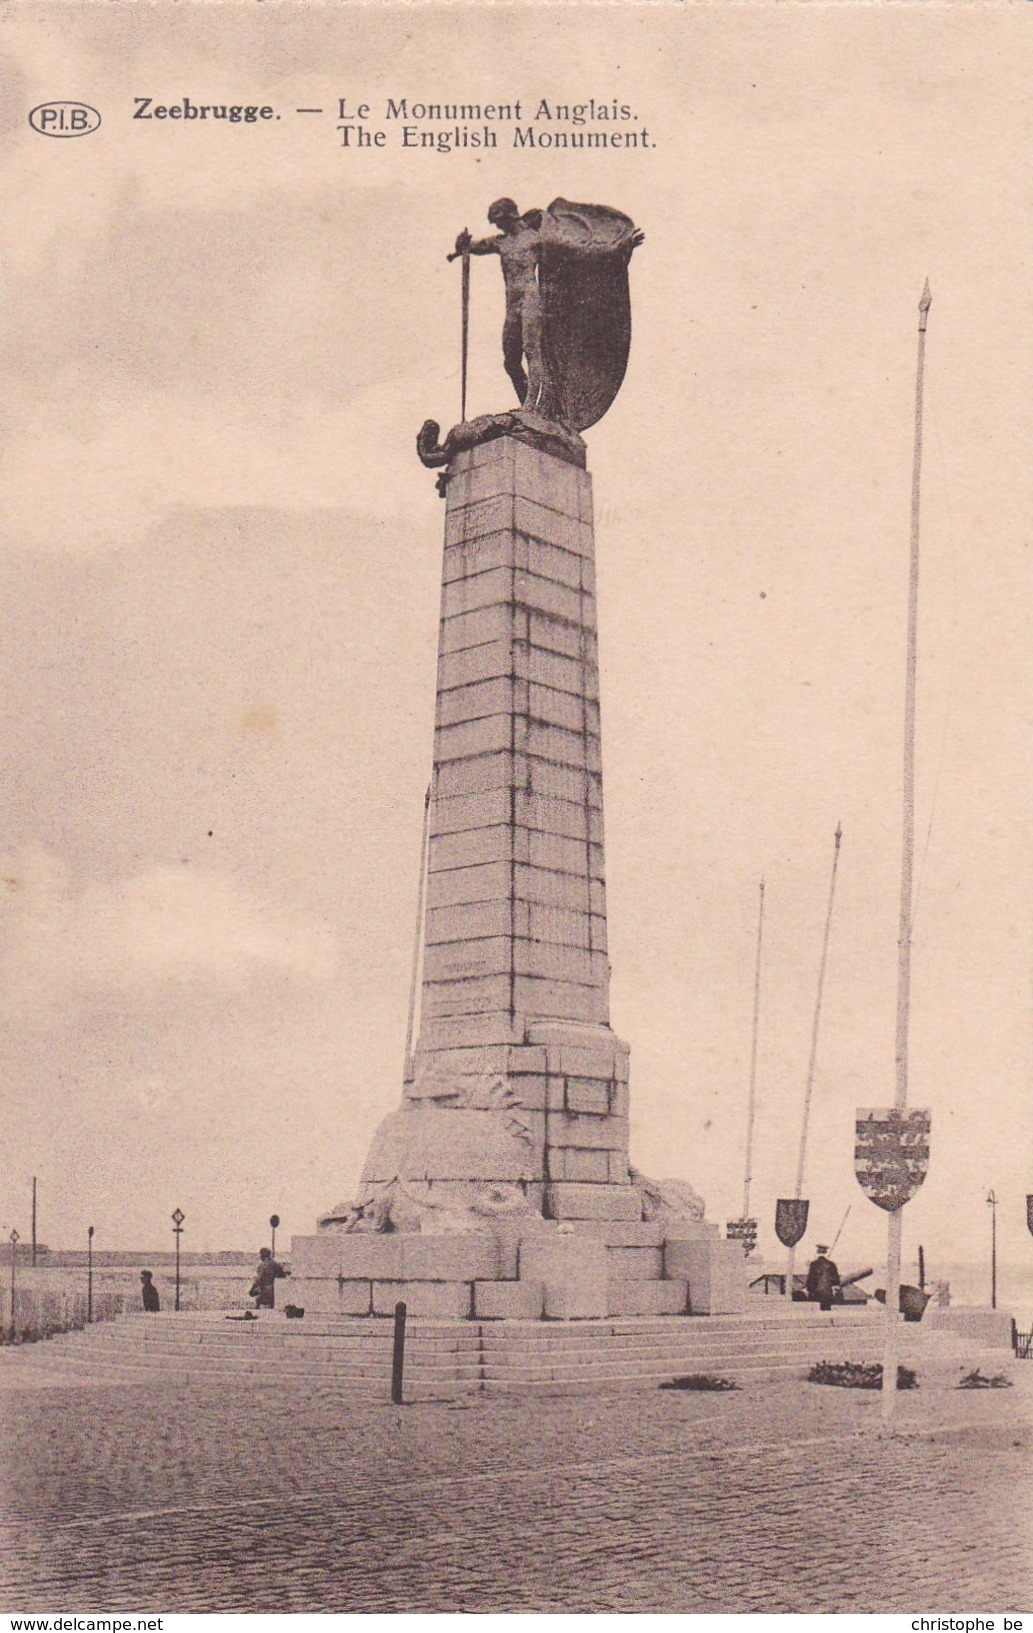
[
  {"x": 177, "y": 1225},
  {"x": 14, "y": 1239},
  {"x": 89, "y": 1275},
  {"x": 274, "y": 1220},
  {"x": 398, "y": 1356},
  {"x": 33, "y": 1221},
  {"x": 992, "y": 1203}
]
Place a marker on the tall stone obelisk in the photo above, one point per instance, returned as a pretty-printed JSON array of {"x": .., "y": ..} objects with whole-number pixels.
[
  {"x": 515, "y": 970},
  {"x": 501, "y": 1186}
]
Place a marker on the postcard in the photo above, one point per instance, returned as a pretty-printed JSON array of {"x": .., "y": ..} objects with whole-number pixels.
[{"x": 515, "y": 762}]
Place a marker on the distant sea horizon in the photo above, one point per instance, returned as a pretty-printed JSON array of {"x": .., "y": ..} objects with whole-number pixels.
[{"x": 969, "y": 1283}]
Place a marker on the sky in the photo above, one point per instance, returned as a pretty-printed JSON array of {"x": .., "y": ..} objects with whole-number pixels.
[{"x": 221, "y": 559}]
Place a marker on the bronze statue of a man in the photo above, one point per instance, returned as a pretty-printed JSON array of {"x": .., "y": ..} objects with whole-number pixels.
[
  {"x": 565, "y": 273},
  {"x": 568, "y": 318},
  {"x": 518, "y": 244}
]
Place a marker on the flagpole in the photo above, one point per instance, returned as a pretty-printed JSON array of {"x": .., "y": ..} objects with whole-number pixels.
[
  {"x": 812, "y": 1062},
  {"x": 753, "y": 1063},
  {"x": 907, "y": 862}
]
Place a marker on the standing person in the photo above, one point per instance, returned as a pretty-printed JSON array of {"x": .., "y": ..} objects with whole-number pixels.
[
  {"x": 266, "y": 1276},
  {"x": 148, "y": 1292},
  {"x": 519, "y": 246},
  {"x": 822, "y": 1279}
]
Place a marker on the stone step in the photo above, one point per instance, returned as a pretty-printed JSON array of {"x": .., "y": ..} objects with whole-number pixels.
[
  {"x": 328, "y": 1362},
  {"x": 144, "y": 1333},
  {"x": 487, "y": 1338},
  {"x": 316, "y": 1346},
  {"x": 617, "y": 1383},
  {"x": 604, "y": 1371},
  {"x": 270, "y": 1327},
  {"x": 762, "y": 1369},
  {"x": 328, "y": 1359},
  {"x": 574, "y": 1342},
  {"x": 502, "y": 1366},
  {"x": 162, "y": 1365},
  {"x": 464, "y": 1338},
  {"x": 720, "y": 1364},
  {"x": 660, "y": 1366},
  {"x": 492, "y": 1350},
  {"x": 675, "y": 1345},
  {"x": 498, "y": 1366}
]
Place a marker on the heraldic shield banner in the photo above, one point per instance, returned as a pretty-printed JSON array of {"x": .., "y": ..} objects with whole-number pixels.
[
  {"x": 891, "y": 1154},
  {"x": 790, "y": 1219}
]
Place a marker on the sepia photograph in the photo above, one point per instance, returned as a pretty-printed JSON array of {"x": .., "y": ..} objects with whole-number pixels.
[{"x": 515, "y": 907}]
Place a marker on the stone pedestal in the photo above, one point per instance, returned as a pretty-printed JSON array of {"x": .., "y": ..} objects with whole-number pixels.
[
  {"x": 715, "y": 1272},
  {"x": 573, "y": 1272}
]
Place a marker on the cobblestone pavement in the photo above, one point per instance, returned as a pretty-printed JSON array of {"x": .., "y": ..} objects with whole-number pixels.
[{"x": 783, "y": 1497}]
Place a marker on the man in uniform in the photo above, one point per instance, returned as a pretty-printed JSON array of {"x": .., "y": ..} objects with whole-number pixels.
[{"x": 822, "y": 1279}]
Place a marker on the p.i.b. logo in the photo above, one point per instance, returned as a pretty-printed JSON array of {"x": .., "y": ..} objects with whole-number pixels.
[{"x": 64, "y": 119}]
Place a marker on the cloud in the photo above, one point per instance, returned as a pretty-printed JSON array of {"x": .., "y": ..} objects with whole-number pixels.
[
  {"x": 163, "y": 926},
  {"x": 79, "y": 494}
]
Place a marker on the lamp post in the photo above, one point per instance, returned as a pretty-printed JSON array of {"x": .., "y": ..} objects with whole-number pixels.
[
  {"x": 991, "y": 1202},
  {"x": 89, "y": 1275},
  {"x": 177, "y": 1226},
  {"x": 14, "y": 1239},
  {"x": 274, "y": 1220}
]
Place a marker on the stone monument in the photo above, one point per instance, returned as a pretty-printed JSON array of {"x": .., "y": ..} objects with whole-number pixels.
[{"x": 502, "y": 1186}]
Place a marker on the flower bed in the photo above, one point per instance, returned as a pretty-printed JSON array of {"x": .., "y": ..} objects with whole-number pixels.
[{"x": 858, "y": 1375}]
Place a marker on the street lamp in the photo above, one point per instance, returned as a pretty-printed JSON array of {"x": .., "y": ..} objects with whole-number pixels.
[
  {"x": 991, "y": 1202},
  {"x": 89, "y": 1275},
  {"x": 274, "y": 1220},
  {"x": 177, "y": 1226}
]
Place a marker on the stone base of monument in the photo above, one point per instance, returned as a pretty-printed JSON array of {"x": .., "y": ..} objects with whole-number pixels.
[{"x": 523, "y": 1270}]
